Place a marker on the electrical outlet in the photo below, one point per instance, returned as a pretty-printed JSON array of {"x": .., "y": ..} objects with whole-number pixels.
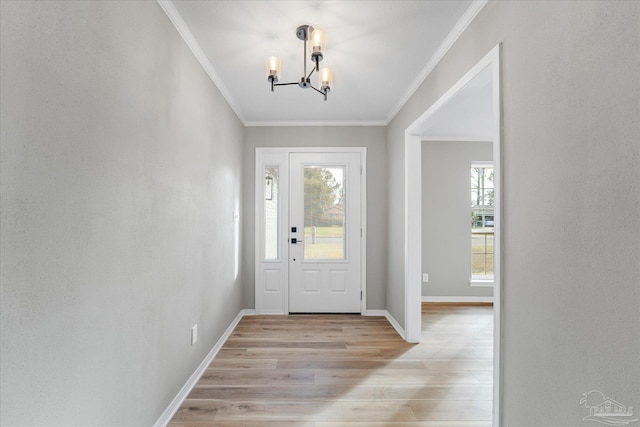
[
  {"x": 194, "y": 334},
  {"x": 425, "y": 277}
]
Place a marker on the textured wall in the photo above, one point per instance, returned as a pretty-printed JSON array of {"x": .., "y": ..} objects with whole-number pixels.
[
  {"x": 361, "y": 136},
  {"x": 446, "y": 239},
  {"x": 120, "y": 171},
  {"x": 395, "y": 220},
  {"x": 571, "y": 171}
]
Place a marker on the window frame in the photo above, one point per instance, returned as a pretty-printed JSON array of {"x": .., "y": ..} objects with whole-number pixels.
[{"x": 482, "y": 279}]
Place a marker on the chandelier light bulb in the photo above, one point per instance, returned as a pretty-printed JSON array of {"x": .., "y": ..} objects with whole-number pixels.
[
  {"x": 273, "y": 68},
  {"x": 317, "y": 40},
  {"x": 326, "y": 78}
]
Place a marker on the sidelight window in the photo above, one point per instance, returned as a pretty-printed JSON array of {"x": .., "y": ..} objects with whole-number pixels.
[{"x": 271, "y": 213}]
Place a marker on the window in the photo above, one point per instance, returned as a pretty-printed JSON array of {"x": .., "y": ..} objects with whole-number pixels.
[
  {"x": 271, "y": 213},
  {"x": 482, "y": 222},
  {"x": 324, "y": 212}
]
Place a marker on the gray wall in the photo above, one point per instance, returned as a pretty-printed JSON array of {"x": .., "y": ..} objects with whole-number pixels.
[
  {"x": 395, "y": 220},
  {"x": 446, "y": 225},
  {"x": 365, "y": 136},
  {"x": 120, "y": 171},
  {"x": 571, "y": 234}
]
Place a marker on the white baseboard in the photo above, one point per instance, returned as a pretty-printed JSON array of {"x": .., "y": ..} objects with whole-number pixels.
[
  {"x": 396, "y": 325},
  {"x": 456, "y": 299},
  {"x": 191, "y": 382},
  {"x": 382, "y": 313},
  {"x": 391, "y": 320}
]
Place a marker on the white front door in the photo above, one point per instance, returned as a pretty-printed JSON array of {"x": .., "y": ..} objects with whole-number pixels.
[
  {"x": 324, "y": 233},
  {"x": 310, "y": 230}
]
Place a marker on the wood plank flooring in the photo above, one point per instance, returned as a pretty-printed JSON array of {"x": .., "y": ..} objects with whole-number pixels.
[{"x": 349, "y": 371}]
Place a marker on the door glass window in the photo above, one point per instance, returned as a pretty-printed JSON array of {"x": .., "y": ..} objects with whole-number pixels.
[
  {"x": 324, "y": 212},
  {"x": 271, "y": 213}
]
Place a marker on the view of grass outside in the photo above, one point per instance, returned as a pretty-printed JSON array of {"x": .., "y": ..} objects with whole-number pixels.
[
  {"x": 324, "y": 242},
  {"x": 332, "y": 231},
  {"x": 482, "y": 252}
]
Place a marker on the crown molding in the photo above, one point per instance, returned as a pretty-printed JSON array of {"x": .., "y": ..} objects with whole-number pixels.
[
  {"x": 453, "y": 138},
  {"x": 177, "y": 21},
  {"x": 317, "y": 123},
  {"x": 444, "y": 47}
]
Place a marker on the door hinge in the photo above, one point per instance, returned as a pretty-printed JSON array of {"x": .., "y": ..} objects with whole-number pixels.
[{"x": 360, "y": 295}]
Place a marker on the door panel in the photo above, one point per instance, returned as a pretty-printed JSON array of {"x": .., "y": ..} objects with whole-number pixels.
[{"x": 325, "y": 248}]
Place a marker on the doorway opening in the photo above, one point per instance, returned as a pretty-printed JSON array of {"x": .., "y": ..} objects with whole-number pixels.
[{"x": 427, "y": 127}]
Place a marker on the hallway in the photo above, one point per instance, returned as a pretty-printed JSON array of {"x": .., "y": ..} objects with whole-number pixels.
[{"x": 348, "y": 370}]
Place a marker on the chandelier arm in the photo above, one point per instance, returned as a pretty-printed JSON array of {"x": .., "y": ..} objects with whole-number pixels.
[
  {"x": 311, "y": 73},
  {"x": 304, "y": 55},
  {"x": 286, "y": 84},
  {"x": 318, "y": 90}
]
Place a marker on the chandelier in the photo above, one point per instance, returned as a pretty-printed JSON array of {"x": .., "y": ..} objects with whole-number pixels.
[{"x": 315, "y": 37}]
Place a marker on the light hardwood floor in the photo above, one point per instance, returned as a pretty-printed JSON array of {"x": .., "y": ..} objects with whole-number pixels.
[{"x": 351, "y": 371}]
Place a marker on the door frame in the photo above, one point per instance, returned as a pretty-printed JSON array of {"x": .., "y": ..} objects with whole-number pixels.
[
  {"x": 413, "y": 215},
  {"x": 279, "y": 156}
]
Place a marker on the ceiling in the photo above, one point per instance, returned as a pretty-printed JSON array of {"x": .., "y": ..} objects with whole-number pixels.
[
  {"x": 379, "y": 51},
  {"x": 467, "y": 116}
]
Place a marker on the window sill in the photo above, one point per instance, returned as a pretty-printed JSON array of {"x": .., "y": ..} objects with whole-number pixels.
[{"x": 481, "y": 282}]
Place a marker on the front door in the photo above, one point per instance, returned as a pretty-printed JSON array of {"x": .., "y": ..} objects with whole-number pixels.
[
  {"x": 310, "y": 230},
  {"x": 324, "y": 233}
]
